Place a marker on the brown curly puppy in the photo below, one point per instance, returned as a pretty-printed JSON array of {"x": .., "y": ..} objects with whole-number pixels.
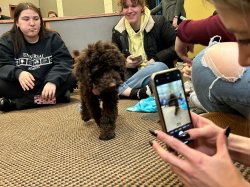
[{"x": 100, "y": 70}]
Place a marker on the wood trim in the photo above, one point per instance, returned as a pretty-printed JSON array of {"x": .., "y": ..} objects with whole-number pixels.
[
  {"x": 80, "y": 17},
  {"x": 12, "y": 10},
  {"x": 68, "y": 18}
]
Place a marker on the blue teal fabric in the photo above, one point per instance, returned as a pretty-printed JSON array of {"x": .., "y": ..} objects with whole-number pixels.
[{"x": 144, "y": 105}]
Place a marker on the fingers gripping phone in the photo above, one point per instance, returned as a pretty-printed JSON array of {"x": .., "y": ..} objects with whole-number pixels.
[
  {"x": 136, "y": 58},
  {"x": 171, "y": 102}
]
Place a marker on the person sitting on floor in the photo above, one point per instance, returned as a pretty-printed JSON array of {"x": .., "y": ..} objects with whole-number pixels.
[
  {"x": 149, "y": 37},
  {"x": 209, "y": 161},
  {"x": 33, "y": 61},
  {"x": 192, "y": 32},
  {"x": 52, "y": 14}
]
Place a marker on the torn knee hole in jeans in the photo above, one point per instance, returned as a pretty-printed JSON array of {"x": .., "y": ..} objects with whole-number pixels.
[
  {"x": 223, "y": 67},
  {"x": 227, "y": 69}
]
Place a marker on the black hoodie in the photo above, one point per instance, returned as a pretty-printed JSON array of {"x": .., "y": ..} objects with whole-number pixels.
[{"x": 48, "y": 60}]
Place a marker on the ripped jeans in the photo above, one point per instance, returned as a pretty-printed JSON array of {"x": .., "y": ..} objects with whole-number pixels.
[
  {"x": 142, "y": 77},
  {"x": 220, "y": 83}
]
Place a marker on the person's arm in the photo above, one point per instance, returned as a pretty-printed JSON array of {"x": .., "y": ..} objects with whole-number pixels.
[
  {"x": 178, "y": 7},
  {"x": 156, "y": 9},
  {"x": 200, "y": 31},
  {"x": 167, "y": 39},
  {"x": 116, "y": 39},
  {"x": 8, "y": 69},
  {"x": 239, "y": 148},
  {"x": 62, "y": 62}
]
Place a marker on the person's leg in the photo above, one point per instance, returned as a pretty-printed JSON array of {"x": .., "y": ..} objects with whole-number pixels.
[
  {"x": 9, "y": 91},
  {"x": 220, "y": 83},
  {"x": 14, "y": 94},
  {"x": 140, "y": 80},
  {"x": 63, "y": 92}
]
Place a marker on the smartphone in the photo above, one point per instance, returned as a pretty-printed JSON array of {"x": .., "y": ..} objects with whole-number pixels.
[
  {"x": 136, "y": 58},
  {"x": 41, "y": 101},
  {"x": 171, "y": 102}
]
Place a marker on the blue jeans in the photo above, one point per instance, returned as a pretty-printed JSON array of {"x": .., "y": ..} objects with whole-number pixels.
[
  {"x": 216, "y": 94},
  {"x": 142, "y": 77}
]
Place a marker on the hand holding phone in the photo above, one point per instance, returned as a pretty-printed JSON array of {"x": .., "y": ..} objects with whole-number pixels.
[
  {"x": 171, "y": 101},
  {"x": 136, "y": 58},
  {"x": 133, "y": 62}
]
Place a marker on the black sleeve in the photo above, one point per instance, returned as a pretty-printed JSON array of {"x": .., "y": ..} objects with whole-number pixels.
[
  {"x": 121, "y": 41},
  {"x": 115, "y": 39},
  {"x": 8, "y": 69},
  {"x": 62, "y": 62},
  {"x": 167, "y": 34},
  {"x": 156, "y": 9}
]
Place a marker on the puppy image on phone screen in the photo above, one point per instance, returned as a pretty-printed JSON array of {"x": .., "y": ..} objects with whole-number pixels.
[{"x": 171, "y": 102}]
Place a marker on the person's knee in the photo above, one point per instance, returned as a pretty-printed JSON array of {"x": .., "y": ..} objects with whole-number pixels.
[
  {"x": 222, "y": 59},
  {"x": 158, "y": 66}
]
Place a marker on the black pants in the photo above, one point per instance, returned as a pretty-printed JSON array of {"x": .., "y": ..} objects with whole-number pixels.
[{"x": 25, "y": 99}]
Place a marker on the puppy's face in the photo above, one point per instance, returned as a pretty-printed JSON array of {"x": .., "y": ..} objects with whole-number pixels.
[{"x": 101, "y": 67}]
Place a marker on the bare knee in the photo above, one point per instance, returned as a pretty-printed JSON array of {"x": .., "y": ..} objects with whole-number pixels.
[{"x": 222, "y": 59}]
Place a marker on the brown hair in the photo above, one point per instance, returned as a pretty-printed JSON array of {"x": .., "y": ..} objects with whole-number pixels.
[
  {"x": 52, "y": 12},
  {"x": 122, "y": 3},
  {"x": 16, "y": 33}
]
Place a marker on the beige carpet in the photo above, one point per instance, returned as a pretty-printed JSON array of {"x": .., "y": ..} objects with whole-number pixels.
[{"x": 52, "y": 146}]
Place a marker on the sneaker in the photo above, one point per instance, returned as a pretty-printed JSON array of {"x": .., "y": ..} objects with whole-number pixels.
[
  {"x": 193, "y": 99},
  {"x": 188, "y": 86},
  {"x": 7, "y": 104},
  {"x": 141, "y": 93}
]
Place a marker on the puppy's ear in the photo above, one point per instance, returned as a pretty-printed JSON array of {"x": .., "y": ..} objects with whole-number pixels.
[{"x": 80, "y": 68}]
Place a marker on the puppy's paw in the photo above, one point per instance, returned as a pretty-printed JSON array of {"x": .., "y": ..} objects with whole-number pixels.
[
  {"x": 107, "y": 135},
  {"x": 85, "y": 118}
]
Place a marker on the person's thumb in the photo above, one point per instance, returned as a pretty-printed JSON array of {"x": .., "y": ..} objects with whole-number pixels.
[{"x": 222, "y": 145}]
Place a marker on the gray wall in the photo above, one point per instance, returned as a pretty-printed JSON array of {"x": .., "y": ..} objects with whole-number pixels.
[
  {"x": 46, "y": 6},
  {"x": 79, "y": 32},
  {"x": 83, "y": 7},
  {"x": 5, "y": 27}
]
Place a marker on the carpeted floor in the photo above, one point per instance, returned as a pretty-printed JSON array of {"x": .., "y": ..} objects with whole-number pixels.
[{"x": 52, "y": 146}]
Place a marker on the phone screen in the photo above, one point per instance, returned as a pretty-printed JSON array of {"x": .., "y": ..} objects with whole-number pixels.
[{"x": 172, "y": 102}]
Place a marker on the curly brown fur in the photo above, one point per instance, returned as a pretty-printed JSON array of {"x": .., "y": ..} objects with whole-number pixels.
[{"x": 100, "y": 70}]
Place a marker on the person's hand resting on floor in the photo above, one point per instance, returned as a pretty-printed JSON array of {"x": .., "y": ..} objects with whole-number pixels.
[
  {"x": 187, "y": 70},
  {"x": 49, "y": 90}
]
